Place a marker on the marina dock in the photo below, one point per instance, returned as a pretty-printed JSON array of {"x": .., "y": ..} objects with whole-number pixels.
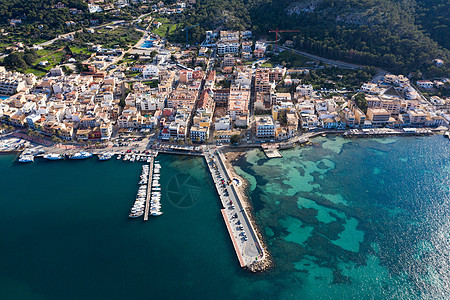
[{"x": 149, "y": 189}]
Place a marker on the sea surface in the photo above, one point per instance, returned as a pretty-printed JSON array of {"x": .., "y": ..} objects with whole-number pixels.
[{"x": 343, "y": 219}]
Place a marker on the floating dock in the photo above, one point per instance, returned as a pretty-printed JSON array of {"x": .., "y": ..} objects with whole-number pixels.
[{"x": 149, "y": 188}]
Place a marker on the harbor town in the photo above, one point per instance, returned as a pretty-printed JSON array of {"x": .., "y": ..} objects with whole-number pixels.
[{"x": 199, "y": 101}]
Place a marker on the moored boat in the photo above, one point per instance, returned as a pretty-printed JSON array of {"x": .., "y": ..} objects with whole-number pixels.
[
  {"x": 26, "y": 158},
  {"x": 105, "y": 156},
  {"x": 53, "y": 156},
  {"x": 81, "y": 155}
]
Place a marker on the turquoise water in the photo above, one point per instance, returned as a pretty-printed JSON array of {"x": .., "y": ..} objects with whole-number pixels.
[
  {"x": 3, "y": 97},
  {"x": 356, "y": 219},
  {"x": 344, "y": 219}
]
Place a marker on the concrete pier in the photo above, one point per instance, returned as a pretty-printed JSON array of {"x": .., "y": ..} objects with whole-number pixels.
[
  {"x": 386, "y": 132},
  {"x": 244, "y": 237},
  {"x": 231, "y": 233},
  {"x": 149, "y": 189}
]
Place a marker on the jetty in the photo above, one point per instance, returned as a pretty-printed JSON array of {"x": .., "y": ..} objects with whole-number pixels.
[
  {"x": 149, "y": 188},
  {"x": 247, "y": 244},
  {"x": 271, "y": 150}
]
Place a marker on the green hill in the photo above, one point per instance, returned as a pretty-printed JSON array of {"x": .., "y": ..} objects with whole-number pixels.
[{"x": 401, "y": 36}]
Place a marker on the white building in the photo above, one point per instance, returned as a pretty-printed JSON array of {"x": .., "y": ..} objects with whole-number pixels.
[
  {"x": 247, "y": 46},
  {"x": 211, "y": 36},
  {"x": 425, "y": 84},
  {"x": 265, "y": 127},
  {"x": 148, "y": 103},
  {"x": 150, "y": 71},
  {"x": 305, "y": 90},
  {"x": 223, "y": 123},
  {"x": 31, "y": 119},
  {"x": 94, "y": 8},
  {"x": 199, "y": 133},
  {"x": 224, "y": 48}
]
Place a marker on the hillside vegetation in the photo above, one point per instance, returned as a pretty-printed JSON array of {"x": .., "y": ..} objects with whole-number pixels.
[
  {"x": 401, "y": 36},
  {"x": 38, "y": 11},
  {"x": 40, "y": 20}
]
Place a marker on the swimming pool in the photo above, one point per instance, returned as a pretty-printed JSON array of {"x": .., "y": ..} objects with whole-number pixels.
[{"x": 148, "y": 43}]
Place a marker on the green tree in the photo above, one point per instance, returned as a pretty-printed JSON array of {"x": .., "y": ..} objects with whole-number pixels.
[
  {"x": 235, "y": 139},
  {"x": 361, "y": 102},
  {"x": 15, "y": 61}
]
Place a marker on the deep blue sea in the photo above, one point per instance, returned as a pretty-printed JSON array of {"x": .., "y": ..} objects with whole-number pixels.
[{"x": 343, "y": 219}]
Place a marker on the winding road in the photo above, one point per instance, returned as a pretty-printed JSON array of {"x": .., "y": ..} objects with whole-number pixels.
[{"x": 337, "y": 63}]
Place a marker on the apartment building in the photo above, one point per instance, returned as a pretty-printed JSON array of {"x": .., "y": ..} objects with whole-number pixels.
[
  {"x": 11, "y": 82},
  {"x": 150, "y": 71},
  {"x": 229, "y": 36},
  {"x": 391, "y": 105},
  {"x": 225, "y": 48},
  {"x": 229, "y": 61},
  {"x": 221, "y": 97},
  {"x": 378, "y": 116},
  {"x": 265, "y": 127},
  {"x": 238, "y": 103},
  {"x": 304, "y": 90}
]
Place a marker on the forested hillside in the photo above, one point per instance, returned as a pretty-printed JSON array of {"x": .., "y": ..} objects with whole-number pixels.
[
  {"x": 36, "y": 10},
  {"x": 402, "y": 36},
  {"x": 40, "y": 19},
  {"x": 434, "y": 18}
]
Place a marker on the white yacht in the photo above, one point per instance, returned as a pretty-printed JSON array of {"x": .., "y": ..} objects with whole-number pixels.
[
  {"x": 105, "y": 156},
  {"x": 81, "y": 155},
  {"x": 136, "y": 214},
  {"x": 26, "y": 158},
  {"x": 53, "y": 156}
]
